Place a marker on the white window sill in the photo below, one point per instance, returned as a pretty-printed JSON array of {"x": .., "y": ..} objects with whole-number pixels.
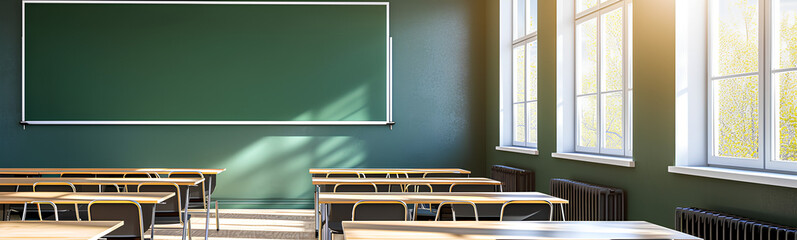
[
  {"x": 593, "y": 158},
  {"x": 766, "y": 178},
  {"x": 523, "y": 150}
]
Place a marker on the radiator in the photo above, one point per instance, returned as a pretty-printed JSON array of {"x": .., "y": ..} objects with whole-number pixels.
[
  {"x": 513, "y": 179},
  {"x": 711, "y": 225},
  {"x": 589, "y": 202}
]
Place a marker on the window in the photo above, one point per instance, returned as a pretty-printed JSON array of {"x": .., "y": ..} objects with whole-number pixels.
[
  {"x": 752, "y": 84},
  {"x": 524, "y": 73},
  {"x": 603, "y": 86}
]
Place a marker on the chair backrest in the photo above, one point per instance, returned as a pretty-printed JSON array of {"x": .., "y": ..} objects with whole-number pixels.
[
  {"x": 128, "y": 211},
  {"x": 136, "y": 175},
  {"x": 172, "y": 204},
  {"x": 458, "y": 187},
  {"x": 194, "y": 192},
  {"x": 453, "y": 212},
  {"x": 343, "y": 174},
  {"x": 443, "y": 175},
  {"x": 527, "y": 211},
  {"x": 54, "y": 187},
  {"x": 420, "y": 187},
  {"x": 78, "y": 175},
  {"x": 379, "y": 210},
  {"x": 355, "y": 187}
]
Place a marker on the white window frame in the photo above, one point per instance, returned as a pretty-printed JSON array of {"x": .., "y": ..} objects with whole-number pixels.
[
  {"x": 767, "y": 98},
  {"x": 596, "y": 13},
  {"x": 508, "y": 44}
]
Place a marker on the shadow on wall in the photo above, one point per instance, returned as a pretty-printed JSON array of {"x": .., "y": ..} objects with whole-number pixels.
[{"x": 277, "y": 166}]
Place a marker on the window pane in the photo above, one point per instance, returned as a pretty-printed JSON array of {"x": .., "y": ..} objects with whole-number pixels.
[
  {"x": 630, "y": 130},
  {"x": 518, "y": 83},
  {"x": 531, "y": 20},
  {"x": 531, "y": 108},
  {"x": 582, "y": 5},
  {"x": 786, "y": 120},
  {"x": 518, "y": 18},
  {"x": 519, "y": 122},
  {"x": 587, "y": 121},
  {"x": 586, "y": 57},
  {"x": 736, "y": 117},
  {"x": 531, "y": 79},
  {"x": 734, "y": 46},
  {"x": 613, "y": 120},
  {"x": 612, "y": 50},
  {"x": 784, "y": 29}
]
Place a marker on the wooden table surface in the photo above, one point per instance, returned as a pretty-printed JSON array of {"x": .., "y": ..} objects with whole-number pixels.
[
  {"x": 69, "y": 230},
  {"x": 438, "y": 197},
  {"x": 95, "y": 181},
  {"x": 416, "y": 230},
  {"x": 82, "y": 197},
  {"x": 433, "y": 181},
  {"x": 105, "y": 170},
  {"x": 389, "y": 170}
]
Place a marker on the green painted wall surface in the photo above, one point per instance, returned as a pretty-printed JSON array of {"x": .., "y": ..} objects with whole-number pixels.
[
  {"x": 653, "y": 193},
  {"x": 439, "y": 109}
]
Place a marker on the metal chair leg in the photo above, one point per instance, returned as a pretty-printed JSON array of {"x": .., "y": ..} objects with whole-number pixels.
[{"x": 217, "y": 215}]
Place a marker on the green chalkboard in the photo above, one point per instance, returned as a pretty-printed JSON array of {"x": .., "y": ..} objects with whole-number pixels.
[{"x": 205, "y": 62}]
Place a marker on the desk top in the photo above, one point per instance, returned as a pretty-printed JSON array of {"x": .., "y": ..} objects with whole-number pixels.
[
  {"x": 105, "y": 170},
  {"x": 82, "y": 197},
  {"x": 71, "y": 230},
  {"x": 389, "y": 170},
  {"x": 412, "y": 230},
  {"x": 433, "y": 181},
  {"x": 95, "y": 181},
  {"x": 437, "y": 197}
]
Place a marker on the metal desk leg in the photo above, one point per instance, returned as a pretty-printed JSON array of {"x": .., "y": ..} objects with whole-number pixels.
[
  {"x": 152, "y": 225},
  {"x": 562, "y": 206},
  {"x": 316, "y": 212},
  {"x": 24, "y": 211},
  {"x": 207, "y": 208},
  {"x": 185, "y": 211}
]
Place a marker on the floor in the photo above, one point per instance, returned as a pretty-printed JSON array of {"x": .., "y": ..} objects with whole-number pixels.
[{"x": 237, "y": 224}]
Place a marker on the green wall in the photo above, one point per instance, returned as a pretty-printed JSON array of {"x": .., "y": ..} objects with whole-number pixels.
[
  {"x": 439, "y": 107},
  {"x": 653, "y": 193}
]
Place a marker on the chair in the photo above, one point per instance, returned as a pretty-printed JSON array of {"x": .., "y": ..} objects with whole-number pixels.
[
  {"x": 438, "y": 217},
  {"x": 459, "y": 187},
  {"x": 424, "y": 210},
  {"x": 133, "y": 187},
  {"x": 342, "y": 212},
  {"x": 342, "y": 174},
  {"x": 82, "y": 188},
  {"x": 527, "y": 211},
  {"x": 379, "y": 210},
  {"x": 170, "y": 212},
  {"x": 38, "y": 206},
  {"x": 443, "y": 175},
  {"x": 56, "y": 187},
  {"x": 355, "y": 187},
  {"x": 198, "y": 195},
  {"x": 128, "y": 211},
  {"x": 487, "y": 211}
]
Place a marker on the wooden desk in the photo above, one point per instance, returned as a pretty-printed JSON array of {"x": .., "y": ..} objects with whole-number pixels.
[
  {"x": 389, "y": 170},
  {"x": 208, "y": 171},
  {"x": 432, "y": 181},
  {"x": 438, "y": 197},
  {"x": 82, "y": 197},
  {"x": 412, "y": 230},
  {"x": 96, "y": 181},
  {"x": 70, "y": 230}
]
